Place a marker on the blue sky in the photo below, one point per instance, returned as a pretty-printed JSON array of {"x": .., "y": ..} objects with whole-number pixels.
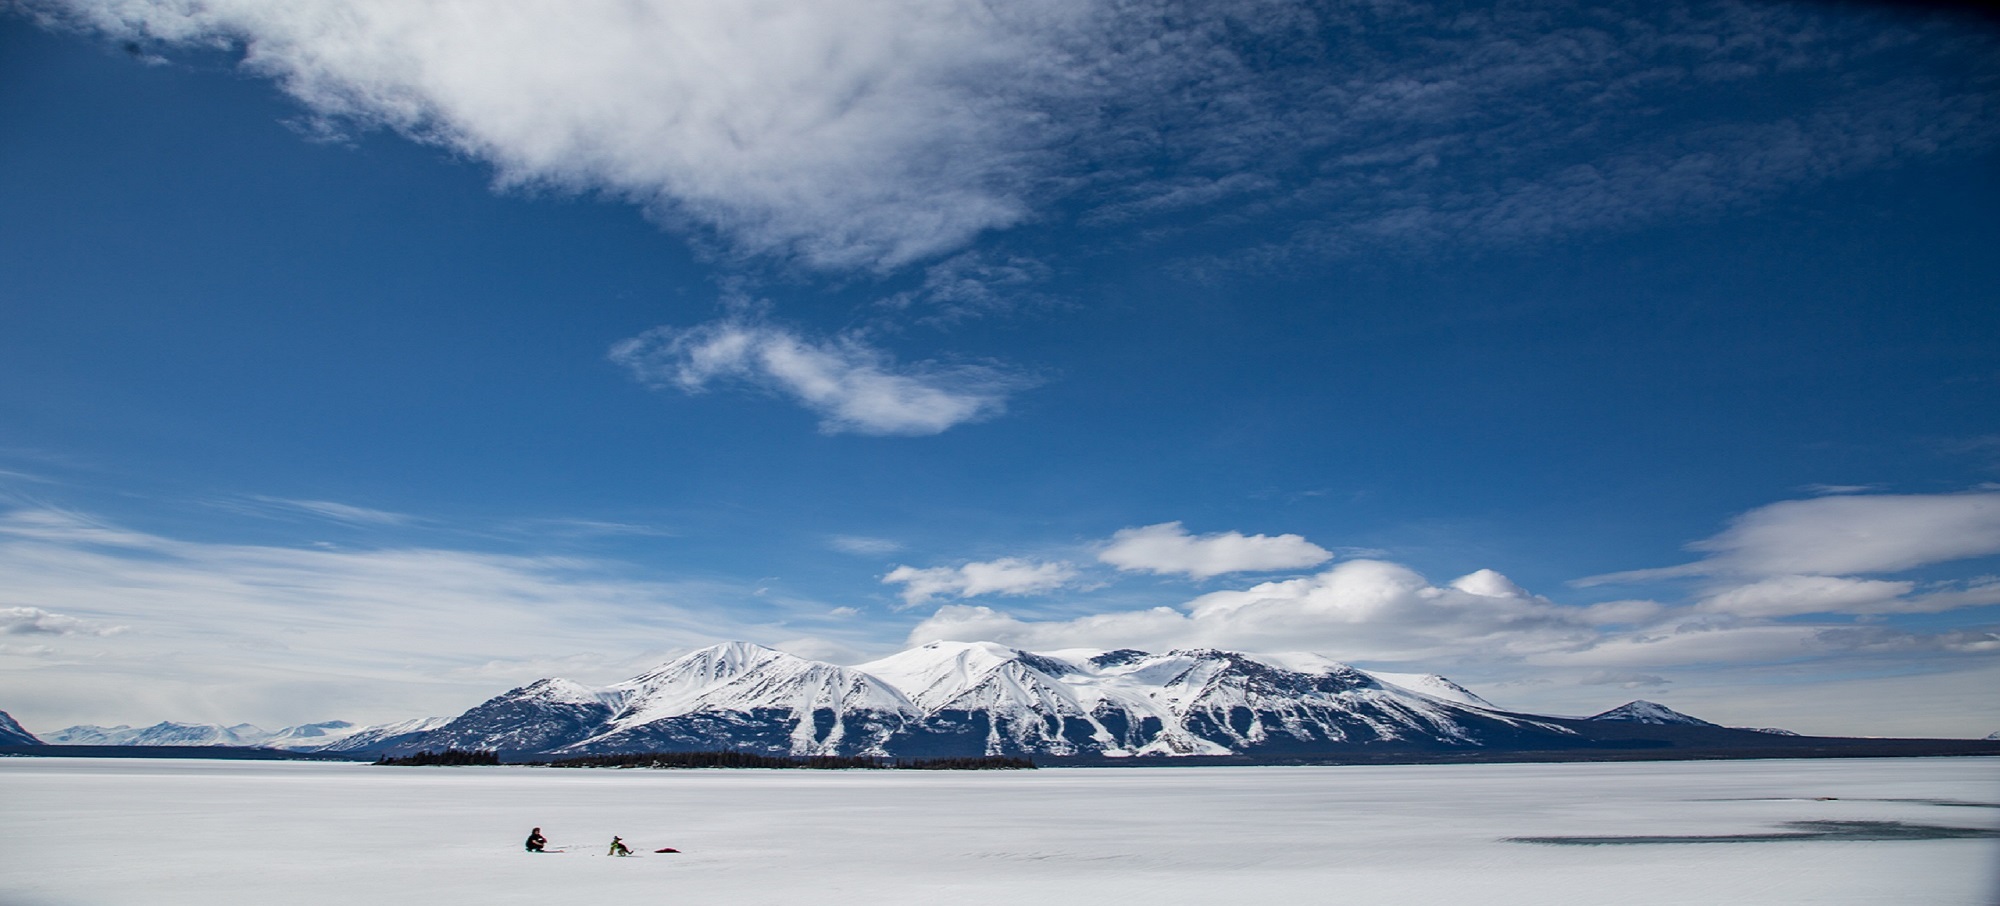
[{"x": 364, "y": 359}]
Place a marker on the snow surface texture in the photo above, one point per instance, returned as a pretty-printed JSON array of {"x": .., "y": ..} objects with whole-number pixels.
[{"x": 329, "y": 833}]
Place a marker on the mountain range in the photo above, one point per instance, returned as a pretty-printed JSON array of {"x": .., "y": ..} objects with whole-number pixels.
[
  {"x": 977, "y": 698},
  {"x": 326, "y": 736}
]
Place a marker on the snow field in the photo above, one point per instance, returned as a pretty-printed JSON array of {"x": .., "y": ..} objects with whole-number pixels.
[{"x": 169, "y": 832}]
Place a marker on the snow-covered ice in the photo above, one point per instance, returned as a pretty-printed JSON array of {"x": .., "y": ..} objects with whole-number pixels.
[{"x": 82, "y": 832}]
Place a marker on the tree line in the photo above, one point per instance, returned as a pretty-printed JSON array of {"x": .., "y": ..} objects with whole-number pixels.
[
  {"x": 453, "y": 757},
  {"x": 726, "y": 759}
]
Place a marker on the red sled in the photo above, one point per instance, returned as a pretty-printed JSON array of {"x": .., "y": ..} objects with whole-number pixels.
[{"x": 667, "y": 849}]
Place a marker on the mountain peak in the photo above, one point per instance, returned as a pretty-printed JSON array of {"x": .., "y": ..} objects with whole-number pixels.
[
  {"x": 1645, "y": 712},
  {"x": 13, "y": 734}
]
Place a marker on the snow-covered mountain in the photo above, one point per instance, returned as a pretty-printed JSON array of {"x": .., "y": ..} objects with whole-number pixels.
[
  {"x": 309, "y": 737},
  {"x": 325, "y": 736},
  {"x": 378, "y": 737},
  {"x": 1645, "y": 712},
  {"x": 958, "y": 698},
  {"x": 164, "y": 733},
  {"x": 963, "y": 698},
  {"x": 13, "y": 734},
  {"x": 753, "y": 697},
  {"x": 1189, "y": 702}
]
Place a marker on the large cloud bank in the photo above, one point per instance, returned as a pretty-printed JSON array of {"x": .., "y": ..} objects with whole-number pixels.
[
  {"x": 870, "y": 134},
  {"x": 850, "y": 134}
]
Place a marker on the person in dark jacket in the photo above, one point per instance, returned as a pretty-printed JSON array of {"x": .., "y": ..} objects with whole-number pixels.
[
  {"x": 618, "y": 848},
  {"x": 536, "y": 841}
]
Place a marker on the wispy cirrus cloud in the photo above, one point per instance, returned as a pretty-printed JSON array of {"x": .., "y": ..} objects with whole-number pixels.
[
  {"x": 337, "y": 512},
  {"x": 169, "y": 626},
  {"x": 853, "y": 386},
  {"x": 864, "y": 545}
]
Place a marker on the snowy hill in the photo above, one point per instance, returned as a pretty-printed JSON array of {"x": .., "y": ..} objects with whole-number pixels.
[
  {"x": 958, "y": 698},
  {"x": 12, "y": 734},
  {"x": 1645, "y": 712}
]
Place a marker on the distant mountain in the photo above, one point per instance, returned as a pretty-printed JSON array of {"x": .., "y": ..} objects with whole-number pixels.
[
  {"x": 12, "y": 734},
  {"x": 1645, "y": 712},
  {"x": 1993, "y": 735},
  {"x": 164, "y": 733},
  {"x": 309, "y": 737},
  {"x": 972, "y": 698},
  {"x": 325, "y": 736},
  {"x": 367, "y": 740},
  {"x": 1774, "y": 731}
]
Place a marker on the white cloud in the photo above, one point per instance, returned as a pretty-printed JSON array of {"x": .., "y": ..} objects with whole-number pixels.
[
  {"x": 853, "y": 387},
  {"x": 1005, "y": 576},
  {"x": 849, "y": 134},
  {"x": 1782, "y": 596},
  {"x": 1168, "y": 548},
  {"x": 1843, "y": 535},
  {"x": 1490, "y": 584},
  {"x": 36, "y": 621},
  {"x": 1857, "y": 534},
  {"x": 863, "y": 545}
]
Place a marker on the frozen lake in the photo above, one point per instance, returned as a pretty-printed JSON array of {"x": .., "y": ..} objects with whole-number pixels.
[{"x": 163, "y": 832}]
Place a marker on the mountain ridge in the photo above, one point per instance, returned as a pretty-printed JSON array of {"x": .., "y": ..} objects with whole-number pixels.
[{"x": 984, "y": 698}]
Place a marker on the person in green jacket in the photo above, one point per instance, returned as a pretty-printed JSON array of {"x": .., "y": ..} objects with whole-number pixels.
[{"x": 618, "y": 848}]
